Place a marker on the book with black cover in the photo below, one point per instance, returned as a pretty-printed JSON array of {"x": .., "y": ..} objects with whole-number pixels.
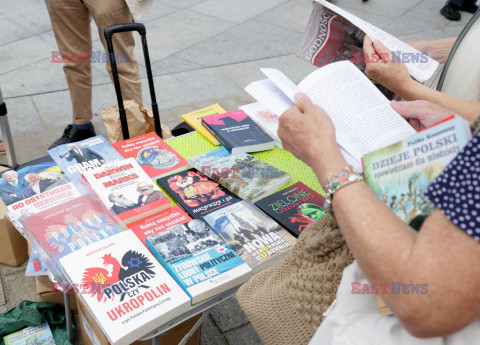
[
  {"x": 196, "y": 193},
  {"x": 294, "y": 207},
  {"x": 239, "y": 132}
]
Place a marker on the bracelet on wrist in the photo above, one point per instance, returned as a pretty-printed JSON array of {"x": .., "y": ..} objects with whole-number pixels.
[{"x": 345, "y": 177}]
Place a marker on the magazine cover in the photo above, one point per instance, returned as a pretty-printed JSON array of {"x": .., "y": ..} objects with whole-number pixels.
[
  {"x": 21, "y": 210},
  {"x": 242, "y": 174},
  {"x": 126, "y": 190},
  {"x": 294, "y": 207},
  {"x": 76, "y": 158},
  {"x": 124, "y": 287},
  {"x": 399, "y": 174},
  {"x": 158, "y": 222},
  {"x": 153, "y": 154},
  {"x": 329, "y": 37},
  {"x": 199, "y": 260},
  {"x": 256, "y": 238},
  {"x": 36, "y": 335},
  {"x": 196, "y": 193},
  {"x": 29, "y": 179}
]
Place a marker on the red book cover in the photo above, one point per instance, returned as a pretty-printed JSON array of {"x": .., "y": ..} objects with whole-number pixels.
[
  {"x": 153, "y": 154},
  {"x": 159, "y": 222},
  {"x": 70, "y": 226}
]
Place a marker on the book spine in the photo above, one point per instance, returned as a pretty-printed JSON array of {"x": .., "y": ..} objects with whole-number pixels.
[{"x": 220, "y": 138}]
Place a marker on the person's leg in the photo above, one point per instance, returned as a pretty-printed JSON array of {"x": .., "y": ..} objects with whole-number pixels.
[
  {"x": 109, "y": 12},
  {"x": 71, "y": 25}
]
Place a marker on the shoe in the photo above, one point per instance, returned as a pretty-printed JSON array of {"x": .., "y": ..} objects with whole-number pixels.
[
  {"x": 81, "y": 134},
  {"x": 63, "y": 139},
  {"x": 451, "y": 12},
  {"x": 471, "y": 7}
]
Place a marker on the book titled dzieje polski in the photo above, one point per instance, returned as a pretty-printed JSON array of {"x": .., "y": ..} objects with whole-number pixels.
[
  {"x": 399, "y": 174},
  {"x": 199, "y": 260}
]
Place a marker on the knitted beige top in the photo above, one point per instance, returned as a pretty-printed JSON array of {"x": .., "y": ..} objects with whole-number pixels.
[{"x": 285, "y": 303}]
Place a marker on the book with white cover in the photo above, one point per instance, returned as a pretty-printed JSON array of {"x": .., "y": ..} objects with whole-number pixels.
[
  {"x": 126, "y": 190},
  {"x": 363, "y": 118},
  {"x": 124, "y": 287}
]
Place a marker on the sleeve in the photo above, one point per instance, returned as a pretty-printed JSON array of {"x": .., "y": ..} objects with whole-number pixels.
[{"x": 456, "y": 191}]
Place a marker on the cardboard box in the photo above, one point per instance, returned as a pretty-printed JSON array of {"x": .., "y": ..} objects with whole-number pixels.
[
  {"x": 13, "y": 247},
  {"x": 93, "y": 335},
  {"x": 44, "y": 289}
]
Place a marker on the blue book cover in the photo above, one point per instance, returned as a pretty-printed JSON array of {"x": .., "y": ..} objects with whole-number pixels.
[
  {"x": 76, "y": 158},
  {"x": 198, "y": 259}
]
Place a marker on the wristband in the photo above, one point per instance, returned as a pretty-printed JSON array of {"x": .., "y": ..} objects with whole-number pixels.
[{"x": 335, "y": 182}]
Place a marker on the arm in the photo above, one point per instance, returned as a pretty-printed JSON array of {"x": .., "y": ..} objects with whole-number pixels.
[
  {"x": 396, "y": 78},
  {"x": 387, "y": 249},
  {"x": 437, "y": 49}
]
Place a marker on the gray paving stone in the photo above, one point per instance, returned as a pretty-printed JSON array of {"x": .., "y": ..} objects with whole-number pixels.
[
  {"x": 169, "y": 65},
  {"x": 210, "y": 83},
  {"x": 408, "y": 24},
  {"x": 158, "y": 10},
  {"x": 171, "y": 92},
  {"x": 378, "y": 19},
  {"x": 432, "y": 34},
  {"x": 42, "y": 76},
  {"x": 242, "y": 336},
  {"x": 236, "y": 11},
  {"x": 19, "y": 288},
  {"x": 6, "y": 270},
  {"x": 11, "y": 31},
  {"x": 54, "y": 107},
  {"x": 293, "y": 15},
  {"x": 251, "y": 40},
  {"x": 23, "y": 117},
  {"x": 210, "y": 334},
  {"x": 388, "y": 8},
  {"x": 247, "y": 72},
  {"x": 29, "y": 147},
  {"x": 23, "y": 52},
  {"x": 33, "y": 18},
  {"x": 229, "y": 315}
]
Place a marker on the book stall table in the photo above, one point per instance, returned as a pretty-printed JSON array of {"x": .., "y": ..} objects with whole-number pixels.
[{"x": 193, "y": 144}]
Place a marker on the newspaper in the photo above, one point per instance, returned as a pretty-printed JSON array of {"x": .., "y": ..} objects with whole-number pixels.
[{"x": 333, "y": 34}]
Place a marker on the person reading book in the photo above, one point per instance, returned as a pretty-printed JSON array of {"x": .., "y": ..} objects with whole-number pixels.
[
  {"x": 395, "y": 76},
  {"x": 442, "y": 258}
]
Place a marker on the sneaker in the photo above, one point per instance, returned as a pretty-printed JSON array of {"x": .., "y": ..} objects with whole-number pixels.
[
  {"x": 81, "y": 134},
  {"x": 451, "y": 12},
  {"x": 63, "y": 139},
  {"x": 471, "y": 7}
]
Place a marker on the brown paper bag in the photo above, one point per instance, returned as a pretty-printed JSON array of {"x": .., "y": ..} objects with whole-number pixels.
[{"x": 139, "y": 120}]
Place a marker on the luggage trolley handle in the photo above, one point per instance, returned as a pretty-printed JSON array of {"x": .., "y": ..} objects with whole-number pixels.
[{"x": 140, "y": 28}]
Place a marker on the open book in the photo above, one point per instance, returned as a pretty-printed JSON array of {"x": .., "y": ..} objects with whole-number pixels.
[
  {"x": 362, "y": 115},
  {"x": 334, "y": 34}
]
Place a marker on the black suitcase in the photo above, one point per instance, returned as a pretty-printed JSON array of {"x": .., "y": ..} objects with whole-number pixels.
[{"x": 140, "y": 28}]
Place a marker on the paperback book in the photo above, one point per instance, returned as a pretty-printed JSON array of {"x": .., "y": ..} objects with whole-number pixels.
[
  {"x": 68, "y": 227},
  {"x": 242, "y": 174},
  {"x": 158, "y": 222},
  {"x": 21, "y": 210},
  {"x": 126, "y": 190},
  {"x": 194, "y": 119},
  {"x": 41, "y": 335},
  {"x": 76, "y": 158},
  {"x": 124, "y": 287},
  {"x": 294, "y": 207},
  {"x": 153, "y": 154},
  {"x": 29, "y": 179},
  {"x": 265, "y": 118},
  {"x": 254, "y": 236},
  {"x": 239, "y": 132},
  {"x": 399, "y": 174},
  {"x": 199, "y": 260},
  {"x": 196, "y": 193}
]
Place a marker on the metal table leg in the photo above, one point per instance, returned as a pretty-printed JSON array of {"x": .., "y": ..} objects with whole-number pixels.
[{"x": 68, "y": 315}]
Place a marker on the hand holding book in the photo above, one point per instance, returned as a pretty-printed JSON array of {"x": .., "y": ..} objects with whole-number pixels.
[{"x": 421, "y": 114}]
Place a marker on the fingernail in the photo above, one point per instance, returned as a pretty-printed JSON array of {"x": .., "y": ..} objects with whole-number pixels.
[{"x": 299, "y": 96}]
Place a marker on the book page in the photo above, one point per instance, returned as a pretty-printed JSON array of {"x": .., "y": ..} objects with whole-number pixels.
[
  {"x": 270, "y": 95},
  {"x": 363, "y": 118},
  {"x": 282, "y": 82},
  {"x": 420, "y": 66}
]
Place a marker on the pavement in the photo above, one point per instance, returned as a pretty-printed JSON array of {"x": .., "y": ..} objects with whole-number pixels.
[{"x": 202, "y": 52}]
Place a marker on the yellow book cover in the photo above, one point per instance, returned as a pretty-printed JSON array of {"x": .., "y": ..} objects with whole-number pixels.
[{"x": 194, "y": 119}]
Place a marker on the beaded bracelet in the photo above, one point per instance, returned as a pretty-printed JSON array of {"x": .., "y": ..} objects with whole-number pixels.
[{"x": 335, "y": 182}]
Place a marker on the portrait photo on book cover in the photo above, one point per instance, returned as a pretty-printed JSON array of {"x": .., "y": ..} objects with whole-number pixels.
[
  {"x": 146, "y": 194},
  {"x": 183, "y": 240}
]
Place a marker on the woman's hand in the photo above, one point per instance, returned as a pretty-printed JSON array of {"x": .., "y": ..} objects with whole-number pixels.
[
  {"x": 308, "y": 132},
  {"x": 421, "y": 114},
  {"x": 379, "y": 67}
]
